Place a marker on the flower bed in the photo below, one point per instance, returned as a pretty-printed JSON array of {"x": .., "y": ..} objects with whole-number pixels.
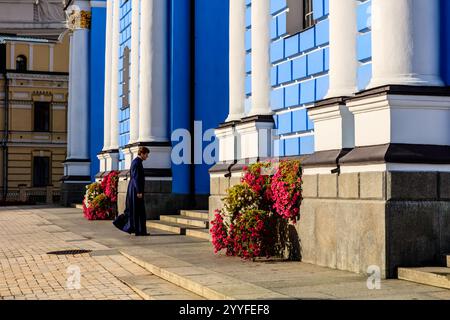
[
  {"x": 100, "y": 200},
  {"x": 256, "y": 213}
]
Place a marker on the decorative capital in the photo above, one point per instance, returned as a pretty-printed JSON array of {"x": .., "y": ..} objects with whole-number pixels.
[{"x": 79, "y": 19}]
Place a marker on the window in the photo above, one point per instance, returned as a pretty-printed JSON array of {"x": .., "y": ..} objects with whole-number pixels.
[
  {"x": 308, "y": 17},
  {"x": 300, "y": 16},
  {"x": 42, "y": 116},
  {"x": 126, "y": 78},
  {"x": 21, "y": 63},
  {"x": 41, "y": 171}
]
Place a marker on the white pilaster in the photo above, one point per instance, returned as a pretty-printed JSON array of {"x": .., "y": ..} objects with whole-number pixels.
[
  {"x": 31, "y": 57},
  {"x": 237, "y": 60},
  {"x": 115, "y": 47},
  {"x": 343, "y": 59},
  {"x": 405, "y": 42},
  {"x": 108, "y": 67},
  {"x": 134, "y": 88},
  {"x": 51, "y": 62},
  {"x": 260, "y": 13},
  {"x": 153, "y": 104}
]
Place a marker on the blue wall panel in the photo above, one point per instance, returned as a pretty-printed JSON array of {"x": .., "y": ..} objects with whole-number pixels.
[
  {"x": 298, "y": 76},
  {"x": 364, "y": 43},
  {"x": 180, "y": 84},
  {"x": 96, "y": 84},
  {"x": 211, "y": 77}
]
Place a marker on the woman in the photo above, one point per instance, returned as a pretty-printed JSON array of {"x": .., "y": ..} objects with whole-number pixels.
[{"x": 134, "y": 219}]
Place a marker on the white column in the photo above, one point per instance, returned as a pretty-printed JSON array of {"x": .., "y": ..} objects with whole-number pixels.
[
  {"x": 405, "y": 42},
  {"x": 107, "y": 102},
  {"x": 134, "y": 88},
  {"x": 114, "y": 144},
  {"x": 78, "y": 158},
  {"x": 343, "y": 59},
  {"x": 79, "y": 101},
  {"x": 237, "y": 60},
  {"x": 153, "y": 104},
  {"x": 260, "y": 12}
]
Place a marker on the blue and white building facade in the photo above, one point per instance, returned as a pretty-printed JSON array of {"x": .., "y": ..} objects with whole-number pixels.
[
  {"x": 86, "y": 24},
  {"x": 362, "y": 96},
  {"x": 358, "y": 89}
]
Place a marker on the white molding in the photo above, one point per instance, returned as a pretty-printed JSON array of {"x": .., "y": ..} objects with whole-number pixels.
[
  {"x": 318, "y": 170},
  {"x": 38, "y": 76},
  {"x": 396, "y": 167}
]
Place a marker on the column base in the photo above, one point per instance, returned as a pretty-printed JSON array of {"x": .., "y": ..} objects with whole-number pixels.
[
  {"x": 401, "y": 114},
  {"x": 334, "y": 124},
  {"x": 160, "y": 154},
  {"x": 109, "y": 161},
  {"x": 254, "y": 137},
  {"x": 226, "y": 134}
]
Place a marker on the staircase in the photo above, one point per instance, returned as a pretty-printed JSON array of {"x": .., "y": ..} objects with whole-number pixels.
[
  {"x": 192, "y": 223},
  {"x": 432, "y": 276}
]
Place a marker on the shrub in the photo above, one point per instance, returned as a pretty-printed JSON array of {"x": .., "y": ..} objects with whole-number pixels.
[
  {"x": 100, "y": 199},
  {"x": 287, "y": 190},
  {"x": 255, "y": 215}
]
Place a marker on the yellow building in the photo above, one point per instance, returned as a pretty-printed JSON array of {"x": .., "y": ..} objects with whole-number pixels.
[{"x": 33, "y": 111}]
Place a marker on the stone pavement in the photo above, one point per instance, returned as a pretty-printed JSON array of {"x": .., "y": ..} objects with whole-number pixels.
[
  {"x": 27, "y": 271},
  {"x": 176, "y": 266}
]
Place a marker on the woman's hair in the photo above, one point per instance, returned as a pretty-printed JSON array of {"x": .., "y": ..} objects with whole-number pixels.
[{"x": 143, "y": 150}]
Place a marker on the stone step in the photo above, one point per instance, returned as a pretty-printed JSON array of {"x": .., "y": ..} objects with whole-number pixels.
[
  {"x": 200, "y": 214},
  {"x": 77, "y": 206},
  {"x": 169, "y": 226},
  {"x": 432, "y": 276},
  {"x": 189, "y": 221},
  {"x": 199, "y": 233},
  {"x": 151, "y": 287},
  {"x": 200, "y": 281}
]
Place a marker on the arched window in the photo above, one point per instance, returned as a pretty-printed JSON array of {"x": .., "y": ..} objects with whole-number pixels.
[{"x": 21, "y": 63}]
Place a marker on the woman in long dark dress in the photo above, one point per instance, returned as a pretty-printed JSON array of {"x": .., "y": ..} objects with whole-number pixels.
[{"x": 134, "y": 219}]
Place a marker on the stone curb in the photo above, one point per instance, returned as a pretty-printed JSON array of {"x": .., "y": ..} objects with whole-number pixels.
[{"x": 200, "y": 281}]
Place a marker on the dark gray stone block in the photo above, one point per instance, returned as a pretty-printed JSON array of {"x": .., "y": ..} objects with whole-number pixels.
[
  {"x": 72, "y": 193},
  {"x": 412, "y": 186},
  {"x": 444, "y": 185}
]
